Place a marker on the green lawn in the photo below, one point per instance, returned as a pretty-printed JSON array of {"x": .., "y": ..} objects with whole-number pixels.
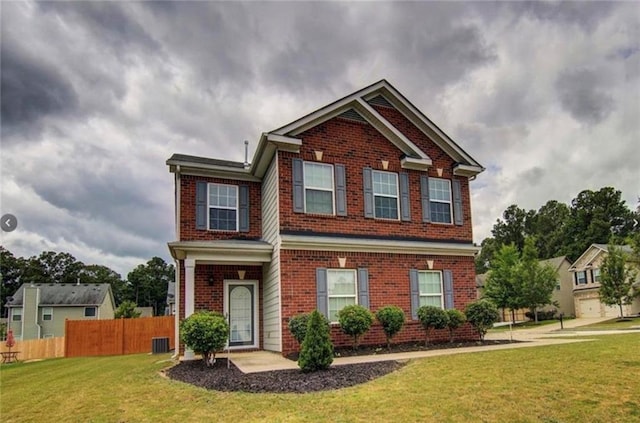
[
  {"x": 589, "y": 381},
  {"x": 613, "y": 324}
]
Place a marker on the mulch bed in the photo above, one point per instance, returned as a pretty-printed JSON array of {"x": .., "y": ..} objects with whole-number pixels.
[{"x": 220, "y": 378}]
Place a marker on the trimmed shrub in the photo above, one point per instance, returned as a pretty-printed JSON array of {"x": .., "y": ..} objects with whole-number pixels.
[
  {"x": 355, "y": 320},
  {"x": 456, "y": 318},
  {"x": 431, "y": 317},
  {"x": 482, "y": 314},
  {"x": 205, "y": 332},
  {"x": 392, "y": 319},
  {"x": 316, "y": 351},
  {"x": 542, "y": 315},
  {"x": 298, "y": 326}
]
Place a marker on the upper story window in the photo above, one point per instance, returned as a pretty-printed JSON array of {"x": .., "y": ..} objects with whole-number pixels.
[
  {"x": 581, "y": 277},
  {"x": 385, "y": 194},
  {"x": 223, "y": 207},
  {"x": 47, "y": 313},
  {"x": 430, "y": 286},
  {"x": 318, "y": 188},
  {"x": 595, "y": 275},
  {"x": 440, "y": 200},
  {"x": 16, "y": 314}
]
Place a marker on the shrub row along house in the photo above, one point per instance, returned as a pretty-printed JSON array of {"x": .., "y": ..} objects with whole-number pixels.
[{"x": 364, "y": 201}]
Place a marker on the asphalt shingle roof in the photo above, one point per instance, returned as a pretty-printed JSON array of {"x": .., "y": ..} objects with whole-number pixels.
[{"x": 59, "y": 294}]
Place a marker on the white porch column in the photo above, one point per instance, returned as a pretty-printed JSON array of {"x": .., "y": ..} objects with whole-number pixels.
[{"x": 189, "y": 296}]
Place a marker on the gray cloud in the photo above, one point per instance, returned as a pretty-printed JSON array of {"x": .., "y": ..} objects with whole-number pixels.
[
  {"x": 583, "y": 93},
  {"x": 31, "y": 90}
]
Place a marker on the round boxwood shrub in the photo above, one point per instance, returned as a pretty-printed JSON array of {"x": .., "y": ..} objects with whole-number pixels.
[
  {"x": 298, "y": 326},
  {"x": 482, "y": 314},
  {"x": 431, "y": 317},
  {"x": 355, "y": 320},
  {"x": 456, "y": 318},
  {"x": 316, "y": 351},
  {"x": 205, "y": 332},
  {"x": 392, "y": 319}
]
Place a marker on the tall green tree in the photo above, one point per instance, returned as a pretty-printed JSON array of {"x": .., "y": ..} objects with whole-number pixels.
[
  {"x": 549, "y": 226},
  {"x": 489, "y": 248},
  {"x": 616, "y": 279},
  {"x": 537, "y": 281},
  {"x": 95, "y": 273},
  {"x": 596, "y": 217},
  {"x": 502, "y": 286},
  {"x": 148, "y": 283},
  {"x": 11, "y": 269},
  {"x": 515, "y": 225}
]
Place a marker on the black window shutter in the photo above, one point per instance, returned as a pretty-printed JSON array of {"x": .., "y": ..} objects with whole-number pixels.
[
  {"x": 201, "y": 205},
  {"x": 405, "y": 204},
  {"x": 322, "y": 299},
  {"x": 363, "y": 287},
  {"x": 448, "y": 288},
  {"x": 415, "y": 293},
  {"x": 424, "y": 194},
  {"x": 368, "y": 192},
  {"x": 298, "y": 186},
  {"x": 243, "y": 209},
  {"x": 457, "y": 203},
  {"x": 341, "y": 190}
]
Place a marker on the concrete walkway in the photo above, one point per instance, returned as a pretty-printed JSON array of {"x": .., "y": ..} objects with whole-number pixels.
[{"x": 262, "y": 361}]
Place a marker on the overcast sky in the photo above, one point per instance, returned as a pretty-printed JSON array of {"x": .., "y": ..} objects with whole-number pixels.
[{"x": 96, "y": 97}]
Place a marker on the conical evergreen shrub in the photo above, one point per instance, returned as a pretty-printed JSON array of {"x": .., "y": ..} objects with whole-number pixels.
[{"x": 316, "y": 352}]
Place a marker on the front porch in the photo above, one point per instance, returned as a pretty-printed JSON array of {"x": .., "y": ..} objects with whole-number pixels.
[{"x": 226, "y": 277}]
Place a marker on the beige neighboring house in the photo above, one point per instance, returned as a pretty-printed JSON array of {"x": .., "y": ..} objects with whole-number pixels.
[
  {"x": 562, "y": 297},
  {"x": 505, "y": 313},
  {"x": 40, "y": 310},
  {"x": 586, "y": 285}
]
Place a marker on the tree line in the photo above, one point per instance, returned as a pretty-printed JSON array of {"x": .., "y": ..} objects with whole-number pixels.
[
  {"x": 145, "y": 286},
  {"x": 516, "y": 278},
  {"x": 558, "y": 229}
]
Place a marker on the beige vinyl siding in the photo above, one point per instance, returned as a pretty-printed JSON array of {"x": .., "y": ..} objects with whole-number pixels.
[{"x": 271, "y": 277}]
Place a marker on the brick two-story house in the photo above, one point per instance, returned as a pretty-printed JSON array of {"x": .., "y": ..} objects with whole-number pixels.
[{"x": 362, "y": 201}]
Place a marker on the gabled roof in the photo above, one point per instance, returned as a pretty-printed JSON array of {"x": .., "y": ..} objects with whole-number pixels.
[
  {"x": 284, "y": 138},
  {"x": 60, "y": 294},
  {"x": 555, "y": 262},
  {"x": 593, "y": 252}
]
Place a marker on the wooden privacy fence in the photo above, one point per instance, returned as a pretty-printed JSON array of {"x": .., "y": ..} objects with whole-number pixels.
[
  {"x": 37, "y": 348},
  {"x": 115, "y": 337}
]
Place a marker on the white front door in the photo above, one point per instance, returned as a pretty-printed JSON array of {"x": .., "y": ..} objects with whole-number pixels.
[{"x": 241, "y": 307}]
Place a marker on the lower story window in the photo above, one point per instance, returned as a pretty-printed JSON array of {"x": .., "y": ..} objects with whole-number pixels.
[
  {"x": 89, "y": 312},
  {"x": 341, "y": 290},
  {"x": 430, "y": 284}
]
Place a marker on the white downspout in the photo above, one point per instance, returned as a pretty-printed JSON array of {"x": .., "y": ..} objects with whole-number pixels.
[{"x": 176, "y": 295}]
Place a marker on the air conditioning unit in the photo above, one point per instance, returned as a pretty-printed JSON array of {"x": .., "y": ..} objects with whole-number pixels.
[{"x": 159, "y": 345}]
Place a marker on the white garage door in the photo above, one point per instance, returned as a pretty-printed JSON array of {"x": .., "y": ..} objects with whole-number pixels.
[{"x": 592, "y": 307}]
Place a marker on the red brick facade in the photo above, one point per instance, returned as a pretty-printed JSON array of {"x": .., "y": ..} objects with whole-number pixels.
[
  {"x": 359, "y": 145},
  {"x": 388, "y": 285},
  {"x": 356, "y": 145}
]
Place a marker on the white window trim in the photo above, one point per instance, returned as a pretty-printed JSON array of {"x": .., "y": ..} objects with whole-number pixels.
[
  {"x": 594, "y": 275},
  {"x": 584, "y": 272},
  {"x": 50, "y": 310},
  {"x": 305, "y": 187},
  {"x": 209, "y": 207},
  {"x": 16, "y": 312},
  {"x": 450, "y": 202},
  {"x": 441, "y": 295},
  {"x": 397, "y": 196},
  {"x": 355, "y": 281}
]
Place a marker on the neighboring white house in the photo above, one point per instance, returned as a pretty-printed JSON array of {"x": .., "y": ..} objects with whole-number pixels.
[{"x": 586, "y": 285}]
